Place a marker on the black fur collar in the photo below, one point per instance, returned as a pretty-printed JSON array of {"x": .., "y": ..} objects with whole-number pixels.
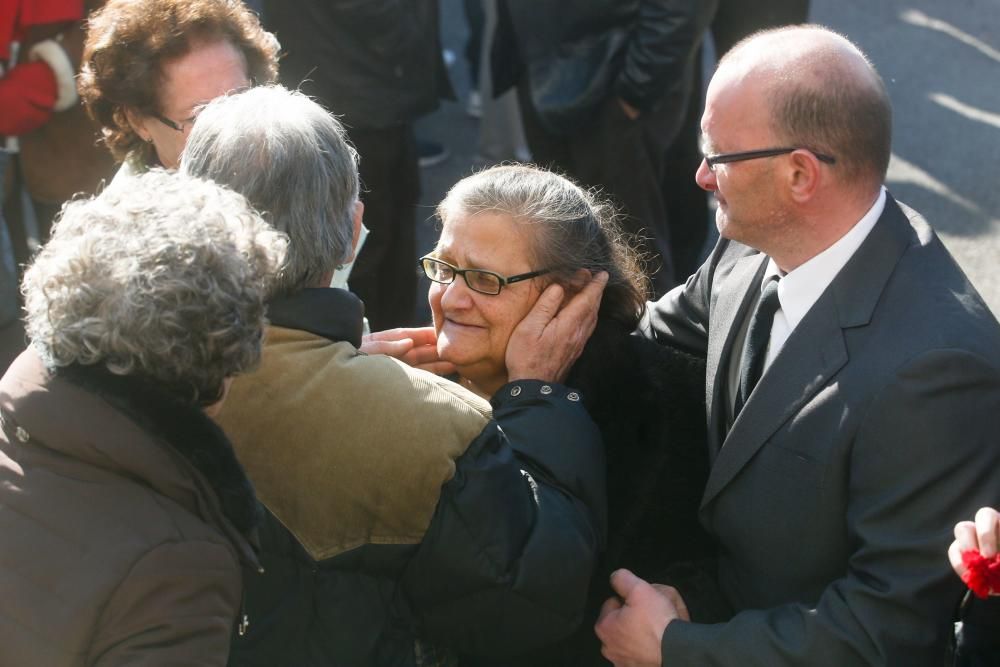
[
  {"x": 329, "y": 312},
  {"x": 185, "y": 427}
]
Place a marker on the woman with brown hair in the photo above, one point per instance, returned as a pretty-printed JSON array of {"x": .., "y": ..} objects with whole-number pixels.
[{"x": 150, "y": 64}]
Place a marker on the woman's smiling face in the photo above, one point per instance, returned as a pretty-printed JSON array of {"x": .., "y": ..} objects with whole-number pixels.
[{"x": 473, "y": 328}]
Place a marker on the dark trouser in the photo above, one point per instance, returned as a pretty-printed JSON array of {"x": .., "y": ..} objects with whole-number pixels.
[
  {"x": 385, "y": 273},
  {"x": 687, "y": 202},
  {"x": 8, "y": 274},
  {"x": 11, "y": 333},
  {"x": 979, "y": 640},
  {"x": 625, "y": 159},
  {"x": 475, "y": 20},
  {"x": 734, "y": 19}
]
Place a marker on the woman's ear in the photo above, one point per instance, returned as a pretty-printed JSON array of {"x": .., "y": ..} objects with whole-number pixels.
[
  {"x": 579, "y": 280},
  {"x": 138, "y": 123}
]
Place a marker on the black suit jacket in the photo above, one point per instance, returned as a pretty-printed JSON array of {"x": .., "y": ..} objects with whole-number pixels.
[{"x": 874, "y": 430}]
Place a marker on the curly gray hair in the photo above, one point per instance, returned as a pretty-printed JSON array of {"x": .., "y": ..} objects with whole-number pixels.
[
  {"x": 164, "y": 279},
  {"x": 290, "y": 157}
]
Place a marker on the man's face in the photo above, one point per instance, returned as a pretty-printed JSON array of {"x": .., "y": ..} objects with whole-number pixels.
[{"x": 749, "y": 207}]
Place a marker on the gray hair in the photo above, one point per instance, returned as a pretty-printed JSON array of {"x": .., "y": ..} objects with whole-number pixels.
[
  {"x": 164, "y": 279},
  {"x": 574, "y": 229},
  {"x": 289, "y": 157}
]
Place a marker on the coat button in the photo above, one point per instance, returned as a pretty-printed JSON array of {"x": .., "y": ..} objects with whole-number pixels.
[
  {"x": 515, "y": 390},
  {"x": 546, "y": 390},
  {"x": 21, "y": 434},
  {"x": 573, "y": 396}
]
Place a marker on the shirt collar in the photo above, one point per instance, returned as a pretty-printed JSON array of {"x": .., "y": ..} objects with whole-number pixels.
[{"x": 799, "y": 289}]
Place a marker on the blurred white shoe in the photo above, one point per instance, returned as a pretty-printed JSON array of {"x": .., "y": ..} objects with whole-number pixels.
[{"x": 474, "y": 105}]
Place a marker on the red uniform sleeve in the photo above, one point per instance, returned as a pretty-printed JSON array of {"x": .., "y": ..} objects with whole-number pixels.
[
  {"x": 27, "y": 95},
  {"x": 40, "y": 12}
]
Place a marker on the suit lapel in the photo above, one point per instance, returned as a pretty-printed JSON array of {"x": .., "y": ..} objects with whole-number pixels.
[
  {"x": 814, "y": 352},
  {"x": 797, "y": 373},
  {"x": 735, "y": 297}
]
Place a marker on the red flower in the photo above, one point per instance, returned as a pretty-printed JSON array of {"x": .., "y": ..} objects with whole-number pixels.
[{"x": 983, "y": 574}]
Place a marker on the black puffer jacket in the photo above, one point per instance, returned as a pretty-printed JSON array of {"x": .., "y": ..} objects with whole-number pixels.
[
  {"x": 648, "y": 401},
  {"x": 577, "y": 53},
  {"x": 499, "y": 565}
]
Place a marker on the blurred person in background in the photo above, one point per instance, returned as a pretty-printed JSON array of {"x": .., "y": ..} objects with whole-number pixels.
[
  {"x": 978, "y": 632},
  {"x": 48, "y": 148},
  {"x": 125, "y": 512},
  {"x": 378, "y": 66},
  {"x": 149, "y": 65},
  {"x": 603, "y": 87}
]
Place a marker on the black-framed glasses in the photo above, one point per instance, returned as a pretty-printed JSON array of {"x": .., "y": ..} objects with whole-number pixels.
[
  {"x": 176, "y": 126},
  {"x": 724, "y": 158},
  {"x": 189, "y": 121},
  {"x": 478, "y": 280}
]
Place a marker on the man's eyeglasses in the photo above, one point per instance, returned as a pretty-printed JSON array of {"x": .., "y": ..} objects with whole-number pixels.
[
  {"x": 724, "y": 158},
  {"x": 180, "y": 127},
  {"x": 478, "y": 280}
]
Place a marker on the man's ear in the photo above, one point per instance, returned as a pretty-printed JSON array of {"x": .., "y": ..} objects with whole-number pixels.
[
  {"x": 359, "y": 210},
  {"x": 804, "y": 176}
]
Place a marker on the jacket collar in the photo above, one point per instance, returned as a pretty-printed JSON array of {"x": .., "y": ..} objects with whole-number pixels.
[{"x": 332, "y": 313}]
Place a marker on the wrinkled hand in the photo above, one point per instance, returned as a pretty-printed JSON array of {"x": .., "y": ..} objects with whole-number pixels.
[
  {"x": 416, "y": 347},
  {"x": 550, "y": 338},
  {"x": 983, "y": 536},
  {"x": 631, "y": 626}
]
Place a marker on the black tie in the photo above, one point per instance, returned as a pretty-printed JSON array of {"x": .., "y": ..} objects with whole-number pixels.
[{"x": 755, "y": 346}]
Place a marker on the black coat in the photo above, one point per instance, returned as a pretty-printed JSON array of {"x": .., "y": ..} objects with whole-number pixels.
[
  {"x": 648, "y": 401},
  {"x": 375, "y": 63},
  {"x": 578, "y": 53}
]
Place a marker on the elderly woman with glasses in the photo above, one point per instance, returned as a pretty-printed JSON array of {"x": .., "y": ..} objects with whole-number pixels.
[
  {"x": 510, "y": 231},
  {"x": 124, "y": 511},
  {"x": 150, "y": 64}
]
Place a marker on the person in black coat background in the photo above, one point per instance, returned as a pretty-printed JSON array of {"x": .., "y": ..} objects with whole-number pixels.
[
  {"x": 378, "y": 66},
  {"x": 603, "y": 87},
  {"x": 978, "y": 634}
]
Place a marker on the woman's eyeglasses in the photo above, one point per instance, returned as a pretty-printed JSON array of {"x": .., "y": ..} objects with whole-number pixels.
[
  {"x": 181, "y": 126},
  {"x": 478, "y": 280}
]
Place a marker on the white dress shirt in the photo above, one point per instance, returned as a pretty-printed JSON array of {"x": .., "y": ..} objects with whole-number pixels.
[{"x": 798, "y": 290}]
